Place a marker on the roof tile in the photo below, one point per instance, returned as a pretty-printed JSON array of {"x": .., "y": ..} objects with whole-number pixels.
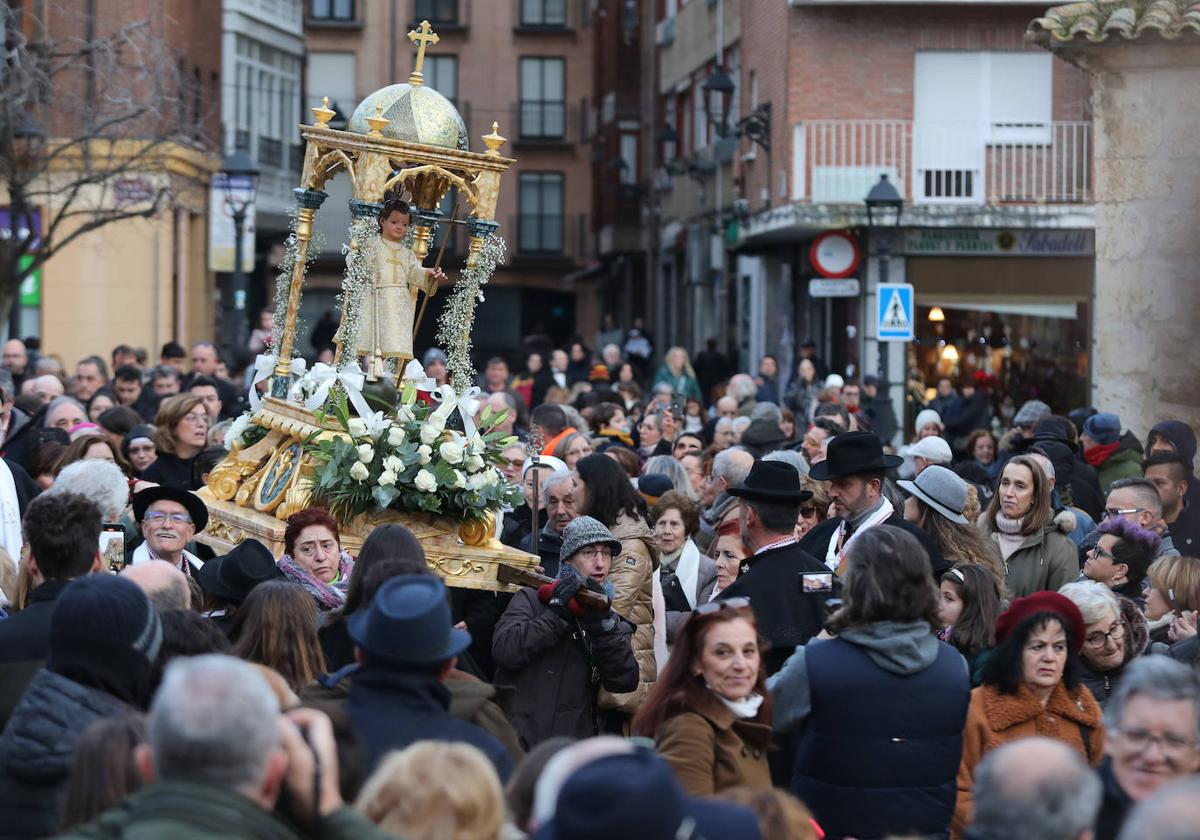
[{"x": 1095, "y": 20}]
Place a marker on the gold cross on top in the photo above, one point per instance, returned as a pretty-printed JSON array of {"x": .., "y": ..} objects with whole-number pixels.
[{"x": 422, "y": 36}]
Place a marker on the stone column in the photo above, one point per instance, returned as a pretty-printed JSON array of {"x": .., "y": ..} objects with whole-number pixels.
[{"x": 1146, "y": 104}]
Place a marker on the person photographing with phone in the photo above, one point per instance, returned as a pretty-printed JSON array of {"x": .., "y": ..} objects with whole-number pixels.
[{"x": 219, "y": 757}]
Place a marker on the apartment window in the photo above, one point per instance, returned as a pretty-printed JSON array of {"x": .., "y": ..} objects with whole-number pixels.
[
  {"x": 331, "y": 10},
  {"x": 437, "y": 11},
  {"x": 543, "y": 12},
  {"x": 540, "y": 201},
  {"x": 543, "y": 98},
  {"x": 629, "y": 161},
  {"x": 441, "y": 74},
  {"x": 1019, "y": 93}
]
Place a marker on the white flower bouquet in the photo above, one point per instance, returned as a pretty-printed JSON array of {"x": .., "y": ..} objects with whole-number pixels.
[{"x": 409, "y": 460}]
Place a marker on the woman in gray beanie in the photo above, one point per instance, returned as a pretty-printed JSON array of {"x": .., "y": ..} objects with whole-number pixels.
[{"x": 555, "y": 653}]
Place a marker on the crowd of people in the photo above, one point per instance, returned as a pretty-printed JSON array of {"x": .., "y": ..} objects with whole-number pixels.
[{"x": 761, "y": 617}]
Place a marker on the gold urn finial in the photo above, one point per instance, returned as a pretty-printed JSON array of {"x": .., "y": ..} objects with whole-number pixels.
[
  {"x": 378, "y": 122},
  {"x": 494, "y": 141},
  {"x": 422, "y": 36},
  {"x": 323, "y": 114}
]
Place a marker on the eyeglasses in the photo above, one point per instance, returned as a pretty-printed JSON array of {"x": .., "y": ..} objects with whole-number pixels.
[
  {"x": 1112, "y": 513},
  {"x": 716, "y": 606},
  {"x": 1100, "y": 552},
  {"x": 1098, "y": 639},
  {"x": 157, "y": 517},
  {"x": 196, "y": 418},
  {"x": 1169, "y": 743},
  {"x": 595, "y": 553},
  {"x": 808, "y": 512}
]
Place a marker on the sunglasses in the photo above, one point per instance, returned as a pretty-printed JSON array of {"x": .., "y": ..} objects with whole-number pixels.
[
  {"x": 808, "y": 512},
  {"x": 716, "y": 606}
]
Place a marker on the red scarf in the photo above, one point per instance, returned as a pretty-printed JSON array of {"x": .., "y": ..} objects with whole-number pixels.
[{"x": 1097, "y": 455}]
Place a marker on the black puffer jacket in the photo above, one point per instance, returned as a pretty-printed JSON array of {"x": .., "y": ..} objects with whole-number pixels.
[{"x": 37, "y": 747}]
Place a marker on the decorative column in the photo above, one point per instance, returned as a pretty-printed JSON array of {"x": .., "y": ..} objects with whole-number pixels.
[
  {"x": 478, "y": 230},
  {"x": 310, "y": 201},
  {"x": 424, "y": 224}
]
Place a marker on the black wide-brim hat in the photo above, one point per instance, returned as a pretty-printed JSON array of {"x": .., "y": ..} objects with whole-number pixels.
[
  {"x": 772, "y": 481},
  {"x": 194, "y": 505},
  {"x": 233, "y": 575},
  {"x": 851, "y": 453}
]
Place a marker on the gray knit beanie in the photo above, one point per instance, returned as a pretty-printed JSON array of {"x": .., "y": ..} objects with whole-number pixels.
[{"x": 583, "y": 531}]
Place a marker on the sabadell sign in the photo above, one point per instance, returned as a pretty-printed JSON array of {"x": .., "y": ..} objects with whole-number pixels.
[{"x": 979, "y": 242}]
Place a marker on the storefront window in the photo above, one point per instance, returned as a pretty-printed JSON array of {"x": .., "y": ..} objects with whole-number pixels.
[{"x": 1018, "y": 351}]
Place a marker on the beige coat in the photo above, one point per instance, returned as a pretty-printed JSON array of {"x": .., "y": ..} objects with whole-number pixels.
[{"x": 632, "y": 577}]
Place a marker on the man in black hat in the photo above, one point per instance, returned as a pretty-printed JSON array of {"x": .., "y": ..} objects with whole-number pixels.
[
  {"x": 787, "y": 587},
  {"x": 854, "y": 466},
  {"x": 232, "y": 576},
  {"x": 169, "y": 518},
  {"x": 405, "y": 647}
]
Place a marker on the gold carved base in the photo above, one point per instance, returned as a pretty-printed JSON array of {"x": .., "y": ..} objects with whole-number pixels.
[{"x": 254, "y": 490}]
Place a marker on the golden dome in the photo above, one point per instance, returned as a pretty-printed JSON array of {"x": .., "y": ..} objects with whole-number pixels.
[{"x": 418, "y": 114}]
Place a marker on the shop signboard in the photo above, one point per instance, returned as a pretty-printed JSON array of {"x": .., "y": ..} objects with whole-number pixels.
[
  {"x": 993, "y": 242},
  {"x": 895, "y": 312},
  {"x": 820, "y": 287}
]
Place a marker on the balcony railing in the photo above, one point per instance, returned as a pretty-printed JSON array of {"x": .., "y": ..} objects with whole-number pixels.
[
  {"x": 549, "y": 121},
  {"x": 549, "y": 235},
  {"x": 270, "y": 151},
  {"x": 837, "y": 161}
]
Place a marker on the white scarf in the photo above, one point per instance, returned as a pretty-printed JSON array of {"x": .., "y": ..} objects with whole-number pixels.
[
  {"x": 142, "y": 554},
  {"x": 836, "y": 552},
  {"x": 744, "y": 708},
  {"x": 687, "y": 569},
  {"x": 10, "y": 516}
]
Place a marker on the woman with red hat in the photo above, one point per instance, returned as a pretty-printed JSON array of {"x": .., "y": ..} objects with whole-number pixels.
[{"x": 1031, "y": 686}]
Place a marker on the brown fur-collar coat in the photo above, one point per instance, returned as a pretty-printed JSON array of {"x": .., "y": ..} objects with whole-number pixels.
[{"x": 994, "y": 719}]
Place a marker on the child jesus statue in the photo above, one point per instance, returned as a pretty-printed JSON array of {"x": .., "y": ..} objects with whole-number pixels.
[{"x": 388, "y": 311}]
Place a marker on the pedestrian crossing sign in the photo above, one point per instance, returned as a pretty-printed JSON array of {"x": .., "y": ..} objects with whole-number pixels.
[{"x": 895, "y": 307}]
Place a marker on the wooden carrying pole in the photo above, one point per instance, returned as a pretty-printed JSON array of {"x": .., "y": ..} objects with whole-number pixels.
[
  {"x": 436, "y": 263},
  {"x": 523, "y": 577}
]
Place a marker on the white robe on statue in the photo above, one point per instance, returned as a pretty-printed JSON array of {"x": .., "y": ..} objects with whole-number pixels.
[{"x": 388, "y": 311}]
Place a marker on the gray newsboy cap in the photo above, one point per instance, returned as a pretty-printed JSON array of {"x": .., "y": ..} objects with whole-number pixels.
[{"x": 583, "y": 531}]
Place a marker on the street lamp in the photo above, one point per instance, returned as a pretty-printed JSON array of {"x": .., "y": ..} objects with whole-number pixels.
[
  {"x": 718, "y": 88},
  {"x": 884, "y": 206},
  {"x": 240, "y": 182}
]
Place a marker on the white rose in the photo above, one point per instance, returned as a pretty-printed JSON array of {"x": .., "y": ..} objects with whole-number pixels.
[
  {"x": 366, "y": 453},
  {"x": 425, "y": 453},
  {"x": 405, "y": 415},
  {"x": 492, "y": 477},
  {"x": 425, "y": 482},
  {"x": 430, "y": 432},
  {"x": 394, "y": 464},
  {"x": 477, "y": 445},
  {"x": 358, "y": 427},
  {"x": 477, "y": 482},
  {"x": 359, "y": 471},
  {"x": 474, "y": 463},
  {"x": 387, "y": 479},
  {"x": 460, "y": 480},
  {"x": 395, "y": 436},
  {"x": 451, "y": 451}
]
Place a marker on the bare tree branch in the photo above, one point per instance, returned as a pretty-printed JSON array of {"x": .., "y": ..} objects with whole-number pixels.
[{"x": 79, "y": 115}]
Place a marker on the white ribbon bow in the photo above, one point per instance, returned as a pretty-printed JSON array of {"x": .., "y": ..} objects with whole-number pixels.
[
  {"x": 467, "y": 404},
  {"x": 415, "y": 373},
  {"x": 351, "y": 379},
  {"x": 264, "y": 366}
]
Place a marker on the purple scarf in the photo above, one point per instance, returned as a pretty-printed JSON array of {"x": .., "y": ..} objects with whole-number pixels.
[{"x": 327, "y": 595}]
